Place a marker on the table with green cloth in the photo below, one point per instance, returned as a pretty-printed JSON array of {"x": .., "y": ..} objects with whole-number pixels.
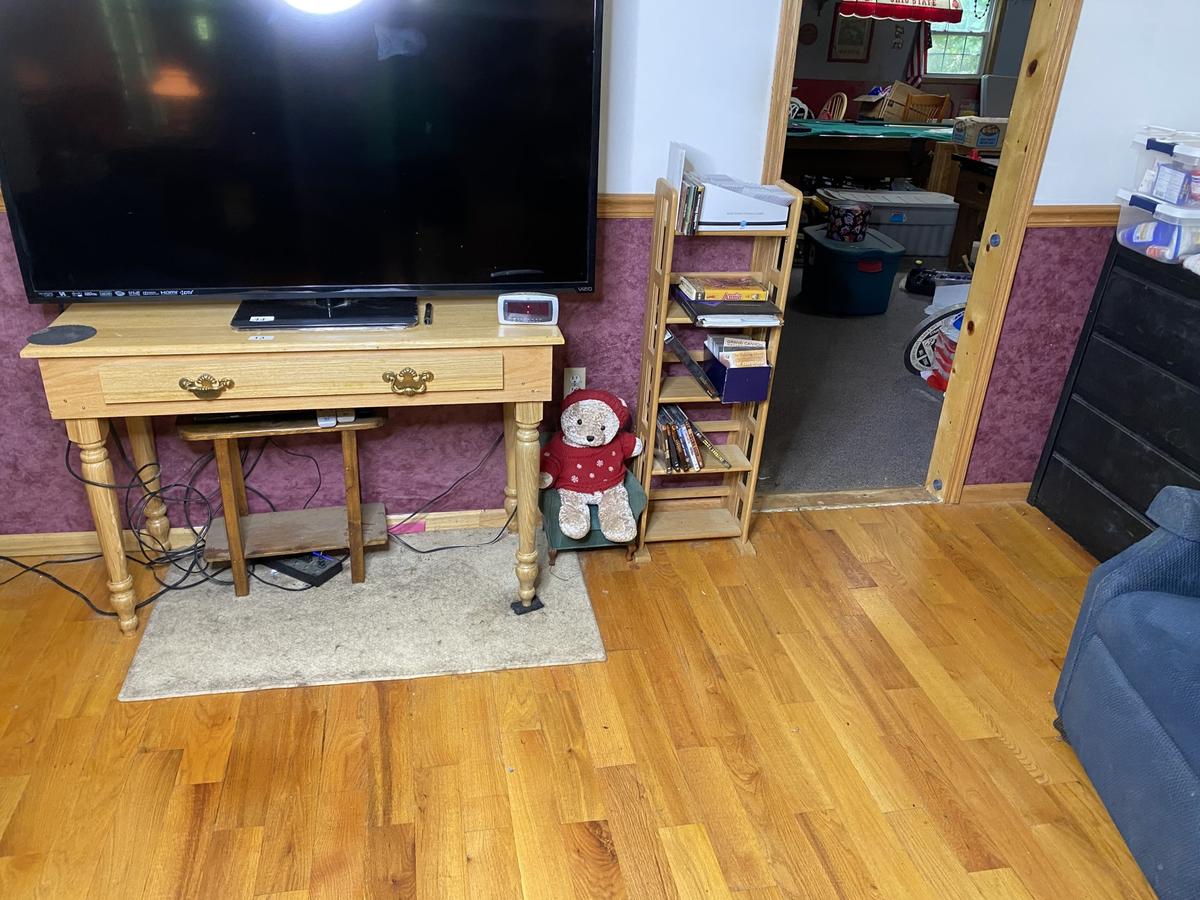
[
  {"x": 868, "y": 150},
  {"x": 821, "y": 128}
]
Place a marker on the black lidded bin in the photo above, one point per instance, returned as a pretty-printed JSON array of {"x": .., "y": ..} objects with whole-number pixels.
[{"x": 850, "y": 279}]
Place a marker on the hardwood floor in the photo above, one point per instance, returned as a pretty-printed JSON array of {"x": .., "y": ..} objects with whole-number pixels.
[{"x": 862, "y": 709}]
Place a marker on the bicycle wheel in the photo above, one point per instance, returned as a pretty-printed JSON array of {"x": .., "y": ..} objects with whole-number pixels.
[{"x": 918, "y": 353}]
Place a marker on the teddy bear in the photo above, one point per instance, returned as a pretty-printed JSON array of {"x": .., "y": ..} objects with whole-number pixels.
[{"x": 586, "y": 462}]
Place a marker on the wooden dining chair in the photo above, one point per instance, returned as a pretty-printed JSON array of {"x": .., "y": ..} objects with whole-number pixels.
[
  {"x": 834, "y": 109},
  {"x": 798, "y": 109}
]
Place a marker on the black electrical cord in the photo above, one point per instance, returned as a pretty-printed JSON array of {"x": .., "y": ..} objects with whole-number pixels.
[
  {"x": 301, "y": 455},
  {"x": 487, "y": 543},
  {"x": 454, "y": 484},
  {"x": 188, "y": 561},
  {"x": 27, "y": 569},
  {"x": 50, "y": 562},
  {"x": 37, "y": 570}
]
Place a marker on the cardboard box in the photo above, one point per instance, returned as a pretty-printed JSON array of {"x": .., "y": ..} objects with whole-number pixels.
[
  {"x": 980, "y": 133},
  {"x": 904, "y": 103}
]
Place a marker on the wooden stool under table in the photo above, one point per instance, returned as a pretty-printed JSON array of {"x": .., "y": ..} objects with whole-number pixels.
[{"x": 244, "y": 535}]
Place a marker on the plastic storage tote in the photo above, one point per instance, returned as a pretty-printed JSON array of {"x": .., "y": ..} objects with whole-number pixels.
[
  {"x": 1158, "y": 230},
  {"x": 844, "y": 279},
  {"x": 1168, "y": 166},
  {"x": 921, "y": 221}
]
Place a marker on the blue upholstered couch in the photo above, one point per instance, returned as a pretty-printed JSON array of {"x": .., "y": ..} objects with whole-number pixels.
[{"x": 1129, "y": 696}]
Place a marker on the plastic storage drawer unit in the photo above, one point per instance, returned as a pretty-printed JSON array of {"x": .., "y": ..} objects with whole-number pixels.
[
  {"x": 1168, "y": 166},
  {"x": 921, "y": 221},
  {"x": 1158, "y": 230},
  {"x": 850, "y": 279}
]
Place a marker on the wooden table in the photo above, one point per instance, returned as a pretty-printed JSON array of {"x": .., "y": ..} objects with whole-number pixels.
[
  {"x": 864, "y": 150},
  {"x": 152, "y": 359},
  {"x": 241, "y": 535},
  {"x": 973, "y": 191}
]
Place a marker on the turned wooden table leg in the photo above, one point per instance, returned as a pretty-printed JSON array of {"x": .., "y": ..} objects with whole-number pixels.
[
  {"x": 510, "y": 462},
  {"x": 145, "y": 458},
  {"x": 528, "y": 453},
  {"x": 90, "y": 435}
]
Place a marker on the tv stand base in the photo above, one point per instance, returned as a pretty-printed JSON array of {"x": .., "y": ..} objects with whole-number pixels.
[{"x": 328, "y": 312}]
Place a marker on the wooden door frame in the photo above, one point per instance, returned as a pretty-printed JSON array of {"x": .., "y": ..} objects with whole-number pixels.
[{"x": 1043, "y": 68}]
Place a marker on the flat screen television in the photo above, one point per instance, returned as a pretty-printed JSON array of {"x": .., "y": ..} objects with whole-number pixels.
[{"x": 284, "y": 149}]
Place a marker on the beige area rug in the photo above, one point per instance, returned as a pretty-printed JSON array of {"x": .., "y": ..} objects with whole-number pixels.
[{"x": 416, "y": 615}]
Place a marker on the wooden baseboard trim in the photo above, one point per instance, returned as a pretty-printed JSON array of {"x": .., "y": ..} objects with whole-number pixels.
[
  {"x": 625, "y": 206},
  {"x": 1017, "y": 492},
  {"x": 910, "y": 496},
  {"x": 73, "y": 543},
  {"x": 449, "y": 521},
  {"x": 1095, "y": 216},
  {"x": 49, "y": 545}
]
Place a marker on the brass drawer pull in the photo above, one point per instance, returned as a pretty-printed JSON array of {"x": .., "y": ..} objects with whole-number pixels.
[
  {"x": 408, "y": 381},
  {"x": 206, "y": 387}
]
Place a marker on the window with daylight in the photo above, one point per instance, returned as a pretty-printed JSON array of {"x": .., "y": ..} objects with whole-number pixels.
[{"x": 960, "y": 48}]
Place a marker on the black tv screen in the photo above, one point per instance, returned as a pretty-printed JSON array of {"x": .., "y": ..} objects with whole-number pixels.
[{"x": 283, "y": 148}]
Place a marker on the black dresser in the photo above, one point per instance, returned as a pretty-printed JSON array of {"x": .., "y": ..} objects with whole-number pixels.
[{"x": 1128, "y": 421}]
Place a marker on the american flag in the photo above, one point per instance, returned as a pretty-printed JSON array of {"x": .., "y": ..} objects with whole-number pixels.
[{"x": 918, "y": 59}]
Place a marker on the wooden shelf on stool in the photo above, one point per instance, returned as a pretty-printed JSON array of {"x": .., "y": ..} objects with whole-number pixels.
[
  {"x": 737, "y": 463},
  {"x": 691, "y": 524},
  {"x": 297, "y": 531},
  {"x": 192, "y": 430}
]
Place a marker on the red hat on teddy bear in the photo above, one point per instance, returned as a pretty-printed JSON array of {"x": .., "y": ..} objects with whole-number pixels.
[{"x": 612, "y": 401}]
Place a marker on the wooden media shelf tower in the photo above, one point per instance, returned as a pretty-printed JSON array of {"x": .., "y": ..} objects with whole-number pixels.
[{"x": 678, "y": 511}]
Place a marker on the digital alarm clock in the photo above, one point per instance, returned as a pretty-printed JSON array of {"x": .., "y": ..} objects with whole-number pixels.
[{"x": 527, "y": 309}]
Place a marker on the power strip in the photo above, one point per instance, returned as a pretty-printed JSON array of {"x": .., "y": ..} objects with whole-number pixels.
[{"x": 311, "y": 568}]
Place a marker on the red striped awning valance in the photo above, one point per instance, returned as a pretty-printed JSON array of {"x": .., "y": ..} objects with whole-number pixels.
[{"x": 903, "y": 10}]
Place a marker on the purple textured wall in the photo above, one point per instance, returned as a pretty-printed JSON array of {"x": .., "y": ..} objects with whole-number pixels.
[
  {"x": 1056, "y": 277},
  {"x": 415, "y": 457}
]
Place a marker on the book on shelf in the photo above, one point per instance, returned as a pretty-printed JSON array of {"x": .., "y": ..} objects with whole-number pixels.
[
  {"x": 722, "y": 287},
  {"x": 737, "y": 352},
  {"x": 672, "y": 343},
  {"x": 691, "y": 196},
  {"x": 729, "y": 313},
  {"x": 669, "y": 448},
  {"x": 676, "y": 412},
  {"x": 684, "y": 442},
  {"x": 682, "y": 174},
  {"x": 694, "y": 462}
]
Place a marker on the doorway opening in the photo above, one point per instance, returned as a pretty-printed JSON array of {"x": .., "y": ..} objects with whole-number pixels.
[{"x": 870, "y": 142}]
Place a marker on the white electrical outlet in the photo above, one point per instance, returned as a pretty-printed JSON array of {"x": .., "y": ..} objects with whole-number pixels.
[{"x": 574, "y": 380}]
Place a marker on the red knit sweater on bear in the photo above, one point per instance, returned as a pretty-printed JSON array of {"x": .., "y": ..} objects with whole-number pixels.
[{"x": 587, "y": 469}]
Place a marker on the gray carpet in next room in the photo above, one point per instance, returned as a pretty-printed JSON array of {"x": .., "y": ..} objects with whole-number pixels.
[
  {"x": 415, "y": 616},
  {"x": 845, "y": 413}
]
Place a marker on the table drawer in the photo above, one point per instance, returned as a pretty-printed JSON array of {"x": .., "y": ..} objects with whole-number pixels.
[{"x": 231, "y": 378}]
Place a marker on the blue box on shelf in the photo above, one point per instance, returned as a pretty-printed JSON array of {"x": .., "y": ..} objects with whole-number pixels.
[{"x": 739, "y": 385}]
